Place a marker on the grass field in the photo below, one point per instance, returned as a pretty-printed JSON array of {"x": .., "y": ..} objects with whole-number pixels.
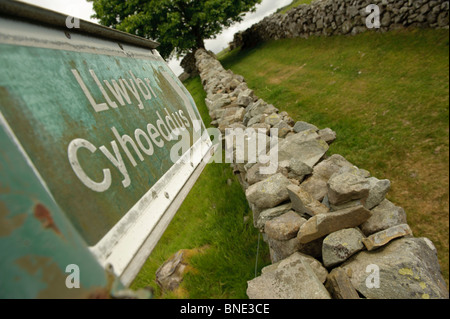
[
  {"x": 386, "y": 96},
  {"x": 293, "y": 4}
]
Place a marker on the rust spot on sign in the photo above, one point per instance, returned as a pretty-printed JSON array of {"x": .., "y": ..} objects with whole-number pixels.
[
  {"x": 43, "y": 215},
  {"x": 99, "y": 293},
  {"x": 9, "y": 224}
]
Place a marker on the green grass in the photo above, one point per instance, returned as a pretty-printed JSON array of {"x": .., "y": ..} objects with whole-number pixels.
[
  {"x": 293, "y": 4},
  {"x": 211, "y": 217},
  {"x": 386, "y": 96}
]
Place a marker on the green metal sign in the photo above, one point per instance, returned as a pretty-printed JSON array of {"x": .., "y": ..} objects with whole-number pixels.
[
  {"x": 98, "y": 118},
  {"x": 37, "y": 242},
  {"x": 95, "y": 125}
]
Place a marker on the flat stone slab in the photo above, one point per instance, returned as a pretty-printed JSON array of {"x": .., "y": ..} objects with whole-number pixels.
[
  {"x": 305, "y": 146},
  {"x": 406, "y": 268},
  {"x": 291, "y": 278},
  {"x": 301, "y": 126},
  {"x": 385, "y": 215},
  {"x": 324, "y": 224},
  {"x": 381, "y": 238},
  {"x": 305, "y": 203}
]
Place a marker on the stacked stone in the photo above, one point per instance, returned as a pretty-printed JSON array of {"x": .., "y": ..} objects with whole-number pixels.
[
  {"x": 333, "y": 17},
  {"x": 325, "y": 220}
]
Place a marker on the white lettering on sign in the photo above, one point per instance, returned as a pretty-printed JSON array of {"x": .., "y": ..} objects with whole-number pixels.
[
  {"x": 97, "y": 107},
  {"x": 135, "y": 147},
  {"x": 74, "y": 146},
  {"x": 119, "y": 90}
]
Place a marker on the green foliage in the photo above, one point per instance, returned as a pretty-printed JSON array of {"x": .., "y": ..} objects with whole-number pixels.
[{"x": 178, "y": 25}]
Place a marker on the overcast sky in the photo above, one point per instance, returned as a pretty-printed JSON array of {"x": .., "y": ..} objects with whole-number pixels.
[{"x": 83, "y": 10}]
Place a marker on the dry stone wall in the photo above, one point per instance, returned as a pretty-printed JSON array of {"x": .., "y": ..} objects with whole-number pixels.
[
  {"x": 330, "y": 229},
  {"x": 332, "y": 17}
]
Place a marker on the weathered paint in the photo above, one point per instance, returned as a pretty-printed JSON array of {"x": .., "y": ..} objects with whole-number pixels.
[
  {"x": 37, "y": 241},
  {"x": 87, "y": 121},
  {"x": 42, "y": 100}
]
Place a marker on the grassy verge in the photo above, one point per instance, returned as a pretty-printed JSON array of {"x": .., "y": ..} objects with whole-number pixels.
[
  {"x": 293, "y": 4},
  {"x": 210, "y": 218},
  {"x": 386, "y": 96}
]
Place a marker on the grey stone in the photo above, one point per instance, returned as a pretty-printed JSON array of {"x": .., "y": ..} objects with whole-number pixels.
[
  {"x": 385, "y": 215},
  {"x": 340, "y": 286},
  {"x": 301, "y": 126},
  {"x": 408, "y": 269},
  {"x": 383, "y": 237},
  {"x": 184, "y": 76},
  {"x": 263, "y": 126},
  {"x": 260, "y": 118},
  {"x": 246, "y": 146},
  {"x": 330, "y": 166},
  {"x": 281, "y": 249},
  {"x": 283, "y": 128},
  {"x": 328, "y": 135},
  {"x": 284, "y": 227},
  {"x": 221, "y": 102},
  {"x": 377, "y": 192},
  {"x": 353, "y": 170},
  {"x": 303, "y": 202},
  {"x": 346, "y": 27},
  {"x": 315, "y": 186},
  {"x": 346, "y": 187},
  {"x": 254, "y": 174},
  {"x": 386, "y": 19},
  {"x": 260, "y": 107},
  {"x": 305, "y": 146},
  {"x": 262, "y": 218},
  {"x": 244, "y": 99},
  {"x": 324, "y": 224},
  {"x": 272, "y": 119},
  {"x": 339, "y": 246},
  {"x": 269, "y": 192},
  {"x": 352, "y": 203},
  {"x": 315, "y": 265},
  {"x": 443, "y": 19},
  {"x": 170, "y": 274},
  {"x": 233, "y": 84},
  {"x": 299, "y": 168},
  {"x": 291, "y": 278}
]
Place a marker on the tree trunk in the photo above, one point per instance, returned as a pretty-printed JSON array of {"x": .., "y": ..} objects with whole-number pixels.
[{"x": 200, "y": 44}]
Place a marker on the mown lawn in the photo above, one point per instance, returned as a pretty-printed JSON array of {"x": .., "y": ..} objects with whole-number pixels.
[{"x": 386, "y": 96}]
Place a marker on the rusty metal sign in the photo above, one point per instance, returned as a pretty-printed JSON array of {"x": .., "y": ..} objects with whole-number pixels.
[{"x": 97, "y": 115}]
